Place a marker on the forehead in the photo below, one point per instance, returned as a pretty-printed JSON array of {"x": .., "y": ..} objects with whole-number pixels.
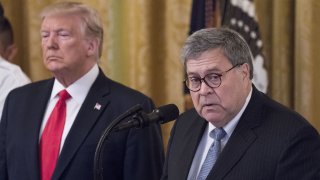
[
  {"x": 211, "y": 60},
  {"x": 63, "y": 21}
]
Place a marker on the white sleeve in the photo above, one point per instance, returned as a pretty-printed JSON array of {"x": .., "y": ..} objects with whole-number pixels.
[{"x": 9, "y": 81}]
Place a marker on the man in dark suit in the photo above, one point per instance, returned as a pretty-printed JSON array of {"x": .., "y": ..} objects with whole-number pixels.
[
  {"x": 235, "y": 131},
  {"x": 71, "y": 43}
]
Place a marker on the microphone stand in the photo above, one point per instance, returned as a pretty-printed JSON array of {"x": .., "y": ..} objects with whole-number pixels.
[{"x": 98, "y": 168}]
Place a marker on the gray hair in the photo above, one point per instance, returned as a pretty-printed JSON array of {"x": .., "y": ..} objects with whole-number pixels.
[
  {"x": 230, "y": 42},
  {"x": 91, "y": 20}
]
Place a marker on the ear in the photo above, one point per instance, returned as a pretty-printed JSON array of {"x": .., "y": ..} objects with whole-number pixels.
[
  {"x": 245, "y": 70},
  {"x": 11, "y": 52},
  {"x": 93, "y": 47}
]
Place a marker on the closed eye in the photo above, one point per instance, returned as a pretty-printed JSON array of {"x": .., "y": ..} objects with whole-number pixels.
[{"x": 44, "y": 34}]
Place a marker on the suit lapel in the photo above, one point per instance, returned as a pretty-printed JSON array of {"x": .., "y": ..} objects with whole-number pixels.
[
  {"x": 33, "y": 119},
  {"x": 238, "y": 144},
  {"x": 188, "y": 147},
  {"x": 91, "y": 109},
  {"x": 241, "y": 139}
]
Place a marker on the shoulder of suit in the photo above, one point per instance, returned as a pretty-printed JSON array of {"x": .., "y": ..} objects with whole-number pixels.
[
  {"x": 123, "y": 90},
  {"x": 35, "y": 87}
]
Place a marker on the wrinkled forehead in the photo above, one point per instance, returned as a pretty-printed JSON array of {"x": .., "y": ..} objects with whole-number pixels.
[{"x": 210, "y": 60}]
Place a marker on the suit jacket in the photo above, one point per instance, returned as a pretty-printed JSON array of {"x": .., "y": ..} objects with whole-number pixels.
[
  {"x": 129, "y": 154},
  {"x": 269, "y": 142}
]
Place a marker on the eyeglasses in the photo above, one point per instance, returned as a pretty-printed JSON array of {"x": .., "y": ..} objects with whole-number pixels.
[{"x": 212, "y": 80}]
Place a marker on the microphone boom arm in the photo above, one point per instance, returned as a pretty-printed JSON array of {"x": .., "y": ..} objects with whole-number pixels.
[
  {"x": 139, "y": 119},
  {"x": 98, "y": 170}
]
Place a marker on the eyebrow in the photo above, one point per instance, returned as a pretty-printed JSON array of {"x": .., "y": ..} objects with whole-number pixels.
[{"x": 208, "y": 71}]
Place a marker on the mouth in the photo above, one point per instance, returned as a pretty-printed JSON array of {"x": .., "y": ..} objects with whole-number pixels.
[
  {"x": 53, "y": 58},
  {"x": 210, "y": 106}
]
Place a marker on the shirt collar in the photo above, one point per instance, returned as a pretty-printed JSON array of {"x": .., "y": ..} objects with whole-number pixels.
[
  {"x": 80, "y": 88},
  {"x": 231, "y": 125}
]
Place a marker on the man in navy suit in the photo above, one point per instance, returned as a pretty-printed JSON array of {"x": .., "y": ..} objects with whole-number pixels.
[
  {"x": 71, "y": 39},
  {"x": 260, "y": 139}
]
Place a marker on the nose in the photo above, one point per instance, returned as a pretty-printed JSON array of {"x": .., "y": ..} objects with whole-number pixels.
[{"x": 205, "y": 89}]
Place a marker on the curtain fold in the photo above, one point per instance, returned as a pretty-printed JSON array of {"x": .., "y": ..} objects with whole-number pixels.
[
  {"x": 290, "y": 30},
  {"x": 282, "y": 64},
  {"x": 307, "y": 60}
]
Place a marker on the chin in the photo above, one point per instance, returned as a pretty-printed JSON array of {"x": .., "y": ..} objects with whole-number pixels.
[
  {"x": 214, "y": 118},
  {"x": 53, "y": 66},
  {"x": 55, "y": 70}
]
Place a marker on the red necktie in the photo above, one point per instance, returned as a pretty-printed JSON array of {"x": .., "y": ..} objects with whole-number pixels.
[{"x": 51, "y": 137}]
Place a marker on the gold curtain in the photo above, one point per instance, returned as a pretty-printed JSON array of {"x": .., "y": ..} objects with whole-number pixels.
[
  {"x": 290, "y": 31},
  {"x": 141, "y": 48},
  {"x": 143, "y": 40}
]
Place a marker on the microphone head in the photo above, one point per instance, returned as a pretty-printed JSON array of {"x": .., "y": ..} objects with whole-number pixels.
[{"x": 167, "y": 113}]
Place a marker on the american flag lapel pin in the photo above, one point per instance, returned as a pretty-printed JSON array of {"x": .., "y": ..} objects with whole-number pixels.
[{"x": 97, "y": 106}]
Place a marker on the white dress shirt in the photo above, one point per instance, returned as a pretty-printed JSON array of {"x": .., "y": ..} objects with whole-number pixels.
[
  {"x": 78, "y": 92},
  {"x": 206, "y": 141},
  {"x": 11, "y": 76}
]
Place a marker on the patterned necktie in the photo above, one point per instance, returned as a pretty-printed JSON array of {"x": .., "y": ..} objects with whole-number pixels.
[
  {"x": 51, "y": 137},
  {"x": 217, "y": 134}
]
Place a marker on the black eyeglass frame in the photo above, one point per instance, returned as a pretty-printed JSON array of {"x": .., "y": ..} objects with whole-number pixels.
[{"x": 219, "y": 75}]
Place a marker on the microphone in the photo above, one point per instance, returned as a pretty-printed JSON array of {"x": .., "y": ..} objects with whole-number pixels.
[
  {"x": 137, "y": 118},
  {"x": 162, "y": 115}
]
